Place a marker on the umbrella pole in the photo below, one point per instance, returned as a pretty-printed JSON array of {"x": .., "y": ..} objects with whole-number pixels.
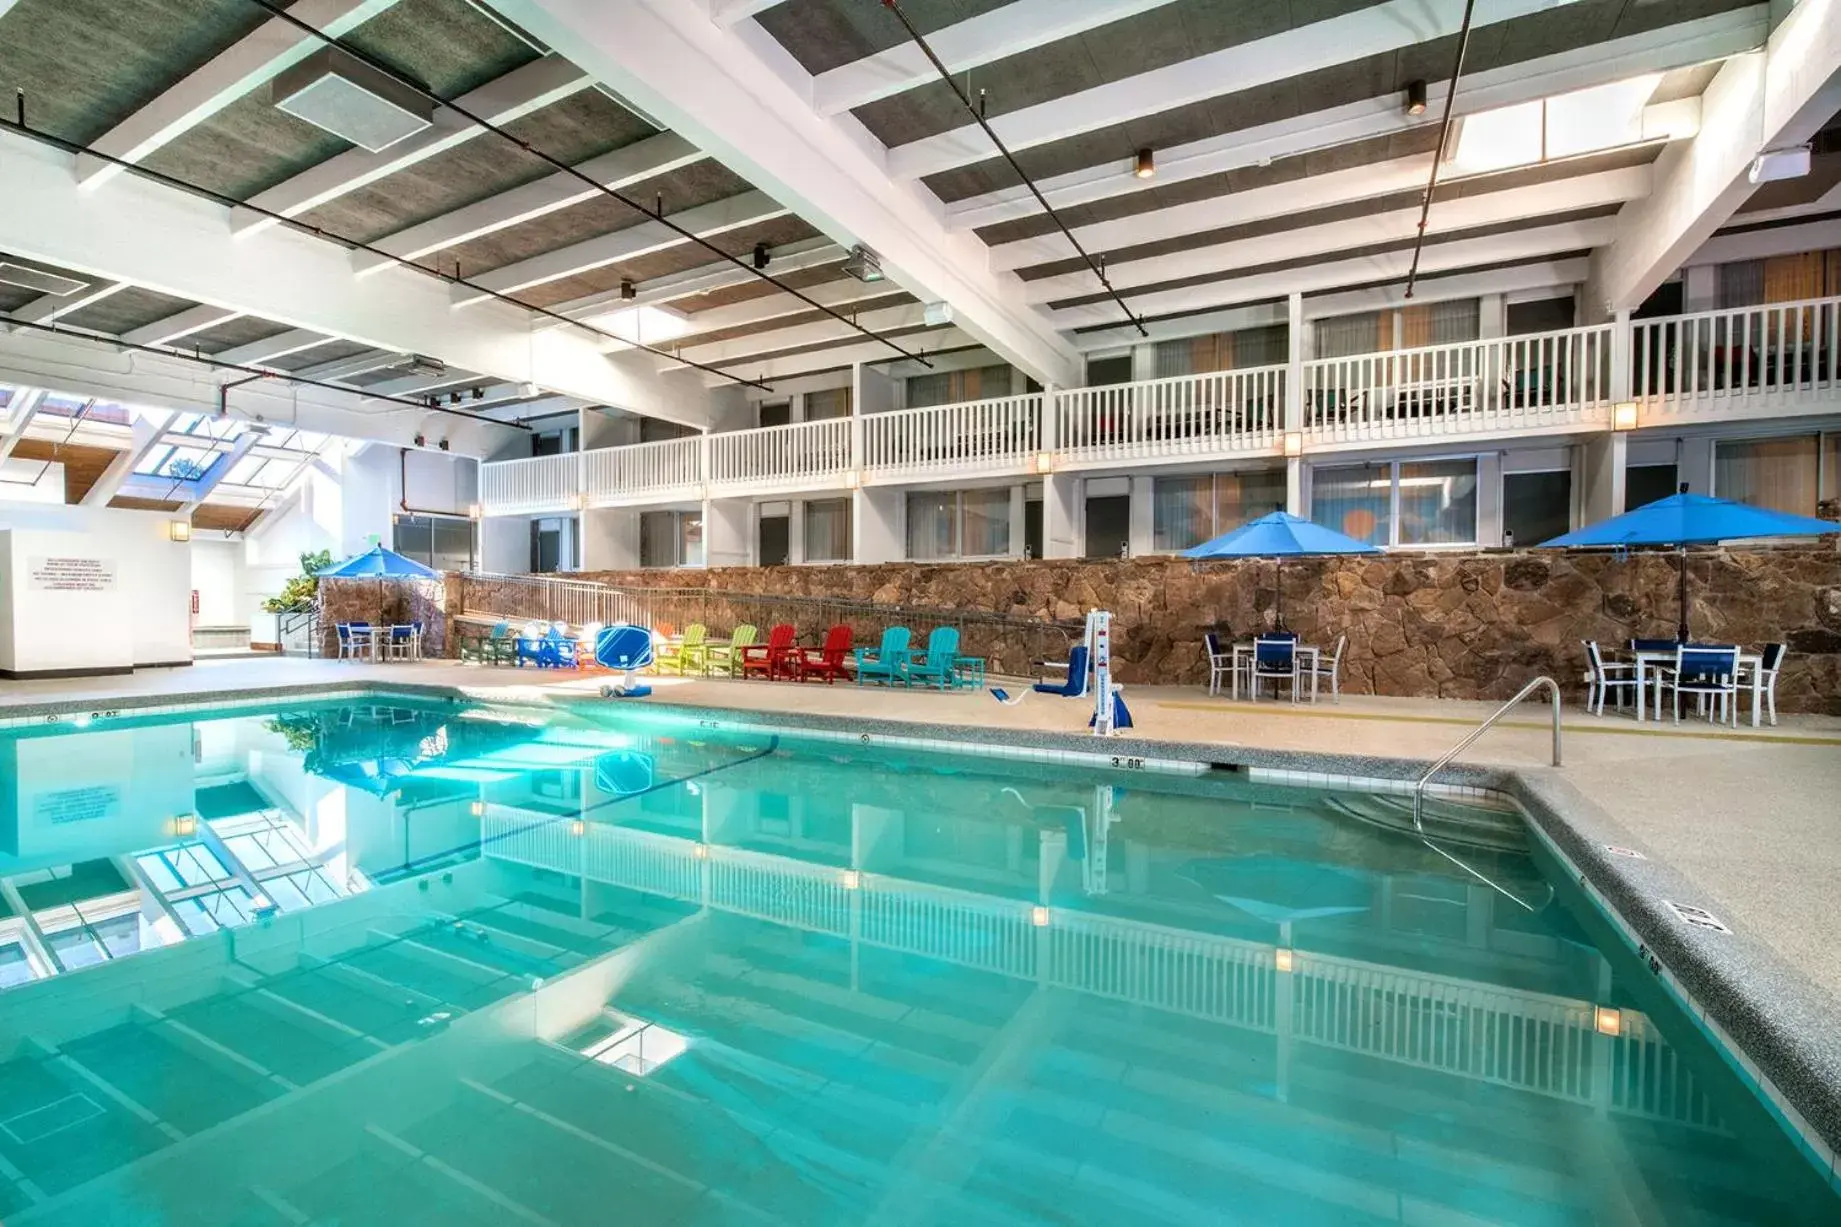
[
  {"x": 1278, "y": 584},
  {"x": 1681, "y": 591}
]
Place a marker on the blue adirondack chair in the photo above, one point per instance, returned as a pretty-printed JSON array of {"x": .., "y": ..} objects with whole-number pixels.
[
  {"x": 887, "y": 663},
  {"x": 936, "y": 666}
]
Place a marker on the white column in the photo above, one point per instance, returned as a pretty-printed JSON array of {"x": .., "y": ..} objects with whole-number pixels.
[
  {"x": 1061, "y": 516},
  {"x": 1143, "y": 512},
  {"x": 727, "y": 537},
  {"x": 877, "y": 528},
  {"x": 1294, "y": 486},
  {"x": 1601, "y": 469},
  {"x": 1294, "y": 372}
]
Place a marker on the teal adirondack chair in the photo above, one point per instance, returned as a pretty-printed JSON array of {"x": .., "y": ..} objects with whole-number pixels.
[
  {"x": 887, "y": 663},
  {"x": 936, "y": 666}
]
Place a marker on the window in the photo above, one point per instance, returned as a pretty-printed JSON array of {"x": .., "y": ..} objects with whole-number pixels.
[
  {"x": 1222, "y": 351},
  {"x": 1368, "y": 332},
  {"x": 827, "y": 530},
  {"x": 831, "y": 403},
  {"x": 1645, "y": 483},
  {"x": 1584, "y": 121},
  {"x": 1186, "y": 511},
  {"x": 1428, "y": 502},
  {"x": 1780, "y": 474},
  {"x": 951, "y": 387},
  {"x": 670, "y": 539},
  {"x": 15, "y": 966},
  {"x": 1536, "y": 507},
  {"x": 1104, "y": 371},
  {"x": 1541, "y": 315},
  {"x": 445, "y": 543},
  {"x": 962, "y": 524}
]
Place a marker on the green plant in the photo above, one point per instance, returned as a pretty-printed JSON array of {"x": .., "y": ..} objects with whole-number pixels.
[{"x": 303, "y": 589}]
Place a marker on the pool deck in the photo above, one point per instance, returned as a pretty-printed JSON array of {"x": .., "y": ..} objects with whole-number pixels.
[{"x": 1745, "y": 823}]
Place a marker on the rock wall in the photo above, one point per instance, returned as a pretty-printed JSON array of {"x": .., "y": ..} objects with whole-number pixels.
[{"x": 392, "y": 601}]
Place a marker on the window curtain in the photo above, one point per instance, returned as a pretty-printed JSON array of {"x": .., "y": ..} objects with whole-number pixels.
[
  {"x": 1181, "y": 512},
  {"x": 1438, "y": 502},
  {"x": 930, "y": 526},
  {"x": 1244, "y": 496},
  {"x": 690, "y": 539},
  {"x": 1777, "y": 473},
  {"x": 1345, "y": 336},
  {"x": 1440, "y": 323},
  {"x": 827, "y": 530},
  {"x": 1741, "y": 284},
  {"x": 658, "y": 539},
  {"x": 831, "y": 403},
  {"x": 951, "y": 387},
  {"x": 1357, "y": 501},
  {"x": 984, "y": 523}
]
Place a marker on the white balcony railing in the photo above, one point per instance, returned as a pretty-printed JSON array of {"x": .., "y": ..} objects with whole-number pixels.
[
  {"x": 1759, "y": 357},
  {"x": 666, "y": 469},
  {"x": 970, "y": 436},
  {"x": 804, "y": 454},
  {"x": 1218, "y": 413},
  {"x": 541, "y": 483},
  {"x": 1546, "y": 381}
]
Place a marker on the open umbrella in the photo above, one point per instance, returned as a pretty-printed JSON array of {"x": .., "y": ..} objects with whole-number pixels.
[
  {"x": 383, "y": 564},
  {"x": 1280, "y": 535},
  {"x": 1687, "y": 519}
]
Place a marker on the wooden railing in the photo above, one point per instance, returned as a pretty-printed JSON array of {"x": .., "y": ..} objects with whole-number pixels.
[
  {"x": 670, "y": 468},
  {"x": 541, "y": 483},
  {"x": 1218, "y": 413},
  {"x": 971, "y": 436},
  {"x": 1711, "y": 361},
  {"x": 804, "y": 454}
]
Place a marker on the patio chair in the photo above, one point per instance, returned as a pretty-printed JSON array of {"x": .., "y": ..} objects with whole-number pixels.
[
  {"x": 1220, "y": 661},
  {"x": 1603, "y": 679},
  {"x": 685, "y": 653},
  {"x": 405, "y": 642},
  {"x": 826, "y": 662},
  {"x": 1654, "y": 645},
  {"x": 935, "y": 666},
  {"x": 1275, "y": 660},
  {"x": 885, "y": 662},
  {"x": 1333, "y": 671},
  {"x": 1707, "y": 671},
  {"x": 354, "y": 640},
  {"x": 1770, "y": 661},
  {"x": 769, "y": 660},
  {"x": 725, "y": 658}
]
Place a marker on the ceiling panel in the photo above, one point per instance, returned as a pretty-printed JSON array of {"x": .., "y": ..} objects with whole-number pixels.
[
  {"x": 243, "y": 331},
  {"x": 826, "y": 34},
  {"x": 753, "y": 288},
  {"x": 125, "y": 310},
  {"x": 336, "y": 351},
  {"x": 672, "y": 260},
  {"x": 853, "y": 310}
]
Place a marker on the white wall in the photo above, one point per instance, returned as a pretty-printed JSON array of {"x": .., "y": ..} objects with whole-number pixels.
[
  {"x": 878, "y": 525},
  {"x": 31, "y": 481},
  {"x": 144, "y": 619},
  {"x": 217, "y": 578}
]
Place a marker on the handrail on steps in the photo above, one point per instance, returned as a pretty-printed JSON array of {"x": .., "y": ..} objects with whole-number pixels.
[{"x": 1553, "y": 689}]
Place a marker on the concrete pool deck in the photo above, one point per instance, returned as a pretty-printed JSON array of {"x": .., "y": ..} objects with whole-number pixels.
[{"x": 1744, "y": 823}]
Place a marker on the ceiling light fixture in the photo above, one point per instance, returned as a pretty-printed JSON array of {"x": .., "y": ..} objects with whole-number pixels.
[
  {"x": 1415, "y": 97},
  {"x": 762, "y": 256},
  {"x": 864, "y": 265},
  {"x": 1147, "y": 165},
  {"x": 1775, "y": 164},
  {"x": 628, "y": 291}
]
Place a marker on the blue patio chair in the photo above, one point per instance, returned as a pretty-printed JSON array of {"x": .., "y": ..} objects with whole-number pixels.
[
  {"x": 888, "y": 662},
  {"x": 1706, "y": 671},
  {"x": 1654, "y": 645},
  {"x": 1276, "y": 660},
  {"x": 354, "y": 640},
  {"x": 1075, "y": 684},
  {"x": 936, "y": 665}
]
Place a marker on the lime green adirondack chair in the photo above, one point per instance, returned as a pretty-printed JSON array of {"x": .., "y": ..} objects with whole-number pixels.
[
  {"x": 725, "y": 658},
  {"x": 687, "y": 654}
]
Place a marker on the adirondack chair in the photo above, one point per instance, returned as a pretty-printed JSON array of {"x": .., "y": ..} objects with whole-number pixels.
[
  {"x": 686, "y": 654},
  {"x": 825, "y": 663},
  {"x": 725, "y": 658},
  {"x": 935, "y": 666},
  {"x": 769, "y": 660},
  {"x": 886, "y": 662}
]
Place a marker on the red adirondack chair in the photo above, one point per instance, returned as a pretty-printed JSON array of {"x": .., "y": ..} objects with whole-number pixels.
[
  {"x": 775, "y": 657},
  {"x": 827, "y": 662}
]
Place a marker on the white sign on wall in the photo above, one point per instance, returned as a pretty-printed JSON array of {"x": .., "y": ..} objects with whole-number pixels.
[{"x": 70, "y": 574}]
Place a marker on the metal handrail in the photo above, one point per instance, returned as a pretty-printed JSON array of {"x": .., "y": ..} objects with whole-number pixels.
[{"x": 1553, "y": 688}]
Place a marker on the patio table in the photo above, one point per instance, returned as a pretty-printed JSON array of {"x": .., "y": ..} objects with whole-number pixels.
[
  {"x": 1749, "y": 662},
  {"x": 1243, "y": 659}
]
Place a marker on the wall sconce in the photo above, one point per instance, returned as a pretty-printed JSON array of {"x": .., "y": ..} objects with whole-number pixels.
[
  {"x": 475, "y": 511},
  {"x": 479, "y": 809},
  {"x": 579, "y": 502},
  {"x": 185, "y": 825},
  {"x": 1281, "y": 959},
  {"x": 1623, "y": 415},
  {"x": 1045, "y": 463},
  {"x": 853, "y": 480},
  {"x": 1038, "y": 916},
  {"x": 1294, "y": 444},
  {"x": 178, "y": 530},
  {"x": 853, "y": 880},
  {"x": 701, "y": 852},
  {"x": 1608, "y": 1021},
  {"x": 578, "y": 828}
]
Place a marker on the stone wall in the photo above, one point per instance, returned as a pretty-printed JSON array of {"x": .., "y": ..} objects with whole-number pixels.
[
  {"x": 1455, "y": 625},
  {"x": 383, "y": 603}
]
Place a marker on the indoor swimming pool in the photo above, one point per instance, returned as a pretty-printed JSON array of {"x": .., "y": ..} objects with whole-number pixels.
[{"x": 401, "y": 962}]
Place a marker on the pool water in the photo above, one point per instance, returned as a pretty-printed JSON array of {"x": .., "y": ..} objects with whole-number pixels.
[{"x": 413, "y": 964}]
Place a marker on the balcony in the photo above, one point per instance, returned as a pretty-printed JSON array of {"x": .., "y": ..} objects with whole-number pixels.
[{"x": 1716, "y": 366}]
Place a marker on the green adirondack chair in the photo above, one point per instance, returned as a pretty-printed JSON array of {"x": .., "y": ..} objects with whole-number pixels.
[
  {"x": 688, "y": 654},
  {"x": 725, "y": 658}
]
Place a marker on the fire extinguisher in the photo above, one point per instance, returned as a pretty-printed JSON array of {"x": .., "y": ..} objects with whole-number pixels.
[{"x": 194, "y": 622}]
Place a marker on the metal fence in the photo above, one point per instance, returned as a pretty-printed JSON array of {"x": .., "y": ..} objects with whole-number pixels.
[{"x": 1011, "y": 646}]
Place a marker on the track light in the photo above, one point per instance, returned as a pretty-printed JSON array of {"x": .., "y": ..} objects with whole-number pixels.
[
  {"x": 453, "y": 398},
  {"x": 1147, "y": 164},
  {"x": 863, "y": 264},
  {"x": 1415, "y": 97},
  {"x": 421, "y": 441},
  {"x": 628, "y": 290},
  {"x": 479, "y": 394},
  {"x": 762, "y": 257},
  {"x": 442, "y": 445}
]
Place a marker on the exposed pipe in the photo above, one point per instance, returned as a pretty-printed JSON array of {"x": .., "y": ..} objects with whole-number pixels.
[
  {"x": 231, "y": 202},
  {"x": 1444, "y": 135},
  {"x": 654, "y": 214},
  {"x": 256, "y": 372},
  {"x": 977, "y": 114},
  {"x": 223, "y": 392}
]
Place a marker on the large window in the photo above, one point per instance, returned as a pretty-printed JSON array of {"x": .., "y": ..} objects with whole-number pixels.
[
  {"x": 1222, "y": 351},
  {"x": 1423, "y": 502},
  {"x": 827, "y": 530},
  {"x": 958, "y": 524},
  {"x": 951, "y": 387},
  {"x": 1186, "y": 511},
  {"x": 1781, "y": 474},
  {"x": 1645, "y": 483},
  {"x": 1368, "y": 332},
  {"x": 670, "y": 539},
  {"x": 1563, "y": 126},
  {"x": 830, "y": 403},
  {"x": 445, "y": 543},
  {"x": 1536, "y": 507}
]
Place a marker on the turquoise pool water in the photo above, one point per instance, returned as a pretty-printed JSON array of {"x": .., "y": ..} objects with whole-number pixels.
[{"x": 397, "y": 964}]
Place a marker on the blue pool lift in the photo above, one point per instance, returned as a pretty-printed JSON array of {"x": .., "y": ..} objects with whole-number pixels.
[
  {"x": 1685, "y": 519},
  {"x": 1280, "y": 535}
]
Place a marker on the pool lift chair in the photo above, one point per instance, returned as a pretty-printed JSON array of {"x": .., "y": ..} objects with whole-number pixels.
[{"x": 1089, "y": 671}]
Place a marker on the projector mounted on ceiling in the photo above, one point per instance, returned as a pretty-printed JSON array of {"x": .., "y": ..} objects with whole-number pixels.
[
  {"x": 1775, "y": 164},
  {"x": 340, "y": 93},
  {"x": 863, "y": 264}
]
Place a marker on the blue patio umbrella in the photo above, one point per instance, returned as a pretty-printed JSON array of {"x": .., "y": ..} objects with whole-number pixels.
[
  {"x": 1280, "y": 535},
  {"x": 1687, "y": 519},
  {"x": 379, "y": 564}
]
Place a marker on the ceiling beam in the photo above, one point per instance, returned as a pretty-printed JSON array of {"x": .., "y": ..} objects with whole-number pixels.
[
  {"x": 729, "y": 12},
  {"x": 149, "y": 427},
  {"x": 1610, "y": 187},
  {"x": 1390, "y": 26},
  {"x": 1660, "y": 50},
  {"x": 655, "y": 155},
  {"x": 707, "y": 220},
  {"x": 239, "y": 70},
  {"x": 179, "y": 326},
  {"x": 257, "y": 353},
  {"x": 840, "y": 293},
  {"x": 864, "y": 351},
  {"x": 1775, "y": 98},
  {"x": 716, "y": 275},
  {"x": 1010, "y": 29},
  {"x": 500, "y": 101},
  {"x": 738, "y": 351},
  {"x": 737, "y": 93},
  {"x": 20, "y": 412},
  {"x": 49, "y": 308}
]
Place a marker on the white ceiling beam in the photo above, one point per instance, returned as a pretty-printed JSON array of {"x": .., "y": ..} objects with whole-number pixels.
[
  {"x": 729, "y": 12},
  {"x": 922, "y": 343},
  {"x": 838, "y": 294},
  {"x": 257, "y": 353},
  {"x": 1610, "y": 187},
  {"x": 716, "y": 275},
  {"x": 655, "y": 155},
  {"x": 49, "y": 308},
  {"x": 176, "y": 243},
  {"x": 20, "y": 412},
  {"x": 179, "y": 326},
  {"x": 340, "y": 369},
  {"x": 502, "y": 100},
  {"x": 1774, "y": 98},
  {"x": 737, "y": 351},
  {"x": 1527, "y": 244},
  {"x": 737, "y": 93},
  {"x": 1389, "y": 26},
  {"x": 239, "y": 70},
  {"x": 149, "y": 427},
  {"x": 1660, "y": 50},
  {"x": 1768, "y": 241},
  {"x": 1005, "y": 31},
  {"x": 708, "y": 220}
]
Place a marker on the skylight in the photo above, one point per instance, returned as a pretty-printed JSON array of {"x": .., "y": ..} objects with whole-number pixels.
[
  {"x": 1563, "y": 126},
  {"x": 645, "y": 325}
]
